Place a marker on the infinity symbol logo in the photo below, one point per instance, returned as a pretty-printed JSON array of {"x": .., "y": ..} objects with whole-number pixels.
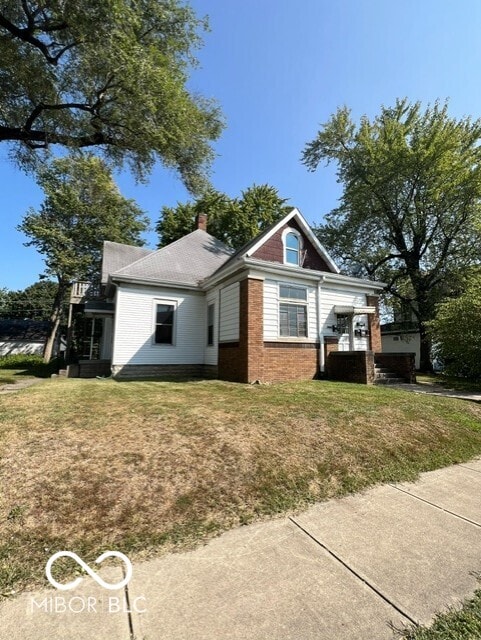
[{"x": 92, "y": 574}]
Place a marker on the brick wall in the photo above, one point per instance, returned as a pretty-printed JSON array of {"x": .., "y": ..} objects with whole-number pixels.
[
  {"x": 374, "y": 325},
  {"x": 400, "y": 363},
  {"x": 284, "y": 362},
  {"x": 351, "y": 366},
  {"x": 231, "y": 362}
]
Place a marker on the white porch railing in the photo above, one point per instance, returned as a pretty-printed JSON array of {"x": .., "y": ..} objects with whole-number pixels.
[{"x": 82, "y": 291}]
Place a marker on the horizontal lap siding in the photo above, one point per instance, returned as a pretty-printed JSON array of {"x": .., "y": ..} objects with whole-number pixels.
[
  {"x": 271, "y": 308},
  {"x": 134, "y": 327},
  {"x": 229, "y": 313},
  {"x": 336, "y": 297}
]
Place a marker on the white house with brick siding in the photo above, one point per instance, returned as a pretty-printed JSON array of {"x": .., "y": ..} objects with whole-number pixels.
[{"x": 273, "y": 310}]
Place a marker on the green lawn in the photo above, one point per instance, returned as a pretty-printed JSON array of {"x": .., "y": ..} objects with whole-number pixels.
[{"x": 147, "y": 466}]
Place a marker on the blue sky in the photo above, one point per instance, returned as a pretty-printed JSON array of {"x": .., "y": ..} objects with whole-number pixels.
[{"x": 279, "y": 69}]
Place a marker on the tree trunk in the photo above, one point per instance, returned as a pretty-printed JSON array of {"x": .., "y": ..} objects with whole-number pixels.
[
  {"x": 425, "y": 364},
  {"x": 55, "y": 319}
]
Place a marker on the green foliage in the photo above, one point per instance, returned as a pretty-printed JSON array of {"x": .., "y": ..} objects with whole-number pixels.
[
  {"x": 34, "y": 302},
  {"x": 234, "y": 221},
  {"x": 456, "y": 332},
  {"x": 82, "y": 208},
  {"x": 410, "y": 209},
  {"x": 30, "y": 365},
  {"x": 110, "y": 75}
]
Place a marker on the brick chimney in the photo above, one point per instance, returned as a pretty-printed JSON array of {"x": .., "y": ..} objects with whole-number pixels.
[{"x": 201, "y": 221}]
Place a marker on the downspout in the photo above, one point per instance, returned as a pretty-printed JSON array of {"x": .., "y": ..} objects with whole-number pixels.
[{"x": 322, "y": 359}]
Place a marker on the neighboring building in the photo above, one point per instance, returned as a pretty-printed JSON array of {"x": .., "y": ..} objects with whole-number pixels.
[
  {"x": 25, "y": 337},
  {"x": 402, "y": 337},
  {"x": 271, "y": 311}
]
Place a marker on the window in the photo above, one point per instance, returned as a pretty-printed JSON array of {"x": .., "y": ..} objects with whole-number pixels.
[
  {"x": 293, "y": 320},
  {"x": 292, "y": 292},
  {"x": 343, "y": 323},
  {"x": 164, "y": 324},
  {"x": 292, "y": 248},
  {"x": 292, "y": 315},
  {"x": 210, "y": 325}
]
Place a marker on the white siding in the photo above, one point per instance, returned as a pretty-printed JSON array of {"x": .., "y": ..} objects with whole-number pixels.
[
  {"x": 342, "y": 297},
  {"x": 134, "y": 327},
  {"x": 271, "y": 308},
  {"x": 406, "y": 343},
  {"x": 229, "y": 313}
]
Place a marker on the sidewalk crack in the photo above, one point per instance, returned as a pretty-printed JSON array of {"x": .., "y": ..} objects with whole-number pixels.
[{"x": 364, "y": 580}]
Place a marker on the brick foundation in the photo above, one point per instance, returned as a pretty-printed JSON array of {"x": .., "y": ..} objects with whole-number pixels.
[
  {"x": 133, "y": 371},
  {"x": 351, "y": 366}
]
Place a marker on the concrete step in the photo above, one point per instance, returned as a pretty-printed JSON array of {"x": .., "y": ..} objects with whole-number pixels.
[{"x": 389, "y": 380}]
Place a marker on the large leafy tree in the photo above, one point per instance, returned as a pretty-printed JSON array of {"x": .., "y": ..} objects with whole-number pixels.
[
  {"x": 456, "y": 331},
  {"x": 82, "y": 208},
  {"x": 109, "y": 75},
  {"x": 235, "y": 221},
  {"x": 34, "y": 302},
  {"x": 410, "y": 203}
]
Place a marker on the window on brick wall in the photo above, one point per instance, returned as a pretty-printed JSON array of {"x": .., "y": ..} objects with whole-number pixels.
[{"x": 292, "y": 311}]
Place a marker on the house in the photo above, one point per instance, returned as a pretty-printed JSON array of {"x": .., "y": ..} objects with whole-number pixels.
[
  {"x": 277, "y": 309},
  {"x": 22, "y": 336}
]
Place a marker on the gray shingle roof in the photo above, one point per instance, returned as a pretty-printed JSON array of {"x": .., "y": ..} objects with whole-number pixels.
[
  {"x": 188, "y": 260},
  {"x": 30, "y": 330},
  {"x": 116, "y": 256}
]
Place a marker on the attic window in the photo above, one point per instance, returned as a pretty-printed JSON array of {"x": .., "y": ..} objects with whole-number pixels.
[{"x": 292, "y": 248}]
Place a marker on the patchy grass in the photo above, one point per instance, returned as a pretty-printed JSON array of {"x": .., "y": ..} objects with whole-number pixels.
[
  {"x": 15, "y": 367},
  {"x": 90, "y": 465},
  {"x": 462, "y": 624},
  {"x": 449, "y": 382}
]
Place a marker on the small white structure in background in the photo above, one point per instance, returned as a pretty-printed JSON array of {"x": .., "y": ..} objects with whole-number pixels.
[
  {"x": 401, "y": 337},
  {"x": 25, "y": 337}
]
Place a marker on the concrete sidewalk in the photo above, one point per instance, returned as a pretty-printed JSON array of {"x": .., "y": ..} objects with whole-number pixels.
[{"x": 345, "y": 569}]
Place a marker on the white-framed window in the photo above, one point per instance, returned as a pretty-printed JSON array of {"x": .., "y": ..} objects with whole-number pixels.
[
  {"x": 292, "y": 241},
  {"x": 165, "y": 312},
  {"x": 210, "y": 324},
  {"x": 293, "y": 314}
]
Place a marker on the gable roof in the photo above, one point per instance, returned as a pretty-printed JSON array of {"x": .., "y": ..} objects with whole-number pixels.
[
  {"x": 253, "y": 245},
  {"x": 116, "y": 256},
  {"x": 186, "y": 261}
]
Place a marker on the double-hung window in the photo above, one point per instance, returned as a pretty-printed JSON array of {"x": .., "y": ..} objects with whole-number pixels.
[
  {"x": 292, "y": 248},
  {"x": 164, "y": 323},
  {"x": 292, "y": 311}
]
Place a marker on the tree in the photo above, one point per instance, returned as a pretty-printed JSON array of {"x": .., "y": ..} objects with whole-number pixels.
[
  {"x": 234, "y": 221},
  {"x": 456, "y": 332},
  {"x": 34, "y": 302},
  {"x": 110, "y": 75},
  {"x": 410, "y": 203},
  {"x": 82, "y": 208}
]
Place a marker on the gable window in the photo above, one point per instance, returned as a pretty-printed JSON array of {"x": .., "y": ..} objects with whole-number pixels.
[
  {"x": 292, "y": 248},
  {"x": 210, "y": 325},
  {"x": 292, "y": 311},
  {"x": 164, "y": 323}
]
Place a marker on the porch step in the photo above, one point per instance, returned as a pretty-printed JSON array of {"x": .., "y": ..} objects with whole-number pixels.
[{"x": 385, "y": 376}]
